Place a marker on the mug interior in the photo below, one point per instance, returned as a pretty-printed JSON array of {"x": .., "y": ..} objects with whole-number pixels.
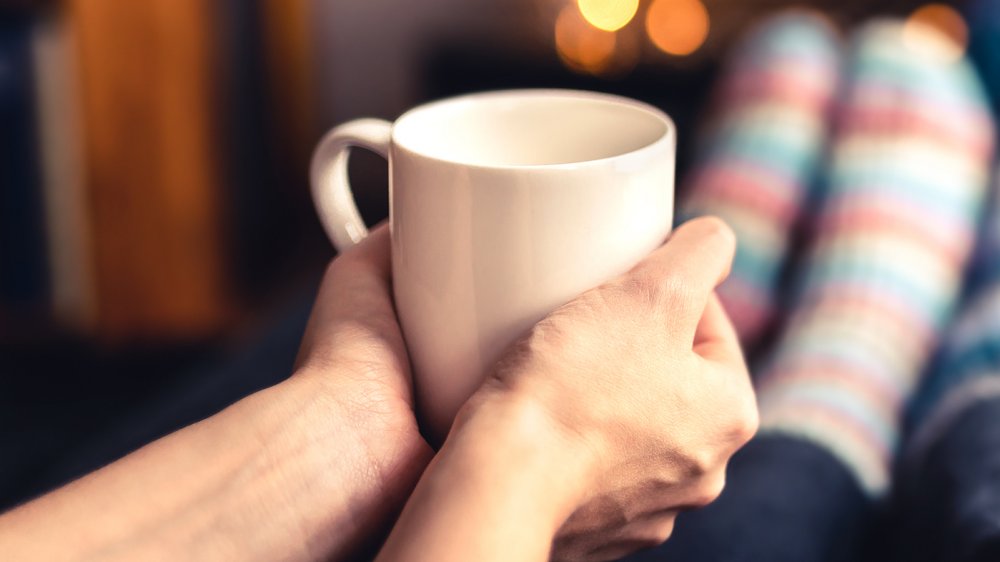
[{"x": 530, "y": 128}]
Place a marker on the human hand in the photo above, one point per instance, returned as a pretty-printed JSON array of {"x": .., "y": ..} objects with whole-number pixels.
[
  {"x": 353, "y": 358},
  {"x": 642, "y": 390},
  {"x": 313, "y": 468}
]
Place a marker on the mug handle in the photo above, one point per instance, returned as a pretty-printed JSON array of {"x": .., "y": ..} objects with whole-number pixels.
[{"x": 331, "y": 189}]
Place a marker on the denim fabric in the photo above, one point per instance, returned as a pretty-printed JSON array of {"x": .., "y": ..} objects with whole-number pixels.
[
  {"x": 786, "y": 500},
  {"x": 947, "y": 504}
]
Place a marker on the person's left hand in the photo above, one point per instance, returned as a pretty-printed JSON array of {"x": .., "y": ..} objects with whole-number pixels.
[{"x": 354, "y": 359}]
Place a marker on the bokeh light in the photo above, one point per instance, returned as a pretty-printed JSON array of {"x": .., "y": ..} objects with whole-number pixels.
[
  {"x": 937, "y": 30},
  {"x": 580, "y": 45},
  {"x": 608, "y": 15},
  {"x": 677, "y": 27}
]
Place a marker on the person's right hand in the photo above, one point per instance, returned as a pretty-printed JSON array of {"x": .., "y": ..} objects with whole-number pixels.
[
  {"x": 643, "y": 379},
  {"x": 615, "y": 412}
]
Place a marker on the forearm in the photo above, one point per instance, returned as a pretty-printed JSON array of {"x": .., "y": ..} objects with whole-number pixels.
[
  {"x": 499, "y": 490},
  {"x": 270, "y": 477}
]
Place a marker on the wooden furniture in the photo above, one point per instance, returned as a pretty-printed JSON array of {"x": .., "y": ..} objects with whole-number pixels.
[
  {"x": 152, "y": 166},
  {"x": 152, "y": 100}
]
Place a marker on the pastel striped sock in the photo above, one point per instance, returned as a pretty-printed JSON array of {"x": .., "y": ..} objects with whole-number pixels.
[
  {"x": 907, "y": 172},
  {"x": 758, "y": 156},
  {"x": 967, "y": 367}
]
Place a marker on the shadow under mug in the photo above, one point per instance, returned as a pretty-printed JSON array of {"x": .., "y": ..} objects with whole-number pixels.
[{"x": 503, "y": 207}]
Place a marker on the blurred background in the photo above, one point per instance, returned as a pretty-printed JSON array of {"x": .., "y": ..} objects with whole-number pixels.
[{"x": 158, "y": 249}]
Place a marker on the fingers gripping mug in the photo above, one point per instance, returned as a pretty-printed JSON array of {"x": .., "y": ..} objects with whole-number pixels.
[{"x": 503, "y": 206}]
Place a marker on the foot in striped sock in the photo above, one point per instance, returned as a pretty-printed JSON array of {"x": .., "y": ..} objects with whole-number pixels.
[
  {"x": 759, "y": 154},
  {"x": 967, "y": 368},
  {"x": 906, "y": 176}
]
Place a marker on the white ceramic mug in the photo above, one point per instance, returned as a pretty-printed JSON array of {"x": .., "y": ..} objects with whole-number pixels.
[{"x": 503, "y": 206}]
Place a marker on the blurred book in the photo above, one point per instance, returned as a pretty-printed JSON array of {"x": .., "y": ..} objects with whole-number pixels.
[
  {"x": 70, "y": 260},
  {"x": 110, "y": 225},
  {"x": 46, "y": 278},
  {"x": 153, "y": 161}
]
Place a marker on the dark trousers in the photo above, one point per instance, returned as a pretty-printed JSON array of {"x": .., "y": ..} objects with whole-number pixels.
[
  {"x": 786, "y": 500},
  {"x": 789, "y": 500},
  {"x": 947, "y": 502}
]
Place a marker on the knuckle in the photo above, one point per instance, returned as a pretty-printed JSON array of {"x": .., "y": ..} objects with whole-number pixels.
[
  {"x": 744, "y": 419},
  {"x": 654, "y": 534},
  {"x": 662, "y": 530},
  {"x": 658, "y": 289},
  {"x": 674, "y": 286},
  {"x": 709, "y": 490},
  {"x": 700, "y": 462},
  {"x": 643, "y": 286},
  {"x": 549, "y": 334},
  {"x": 747, "y": 423},
  {"x": 716, "y": 230}
]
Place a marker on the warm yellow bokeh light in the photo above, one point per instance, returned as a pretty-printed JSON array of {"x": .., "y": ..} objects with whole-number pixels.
[
  {"x": 581, "y": 46},
  {"x": 608, "y": 15},
  {"x": 937, "y": 30},
  {"x": 677, "y": 27}
]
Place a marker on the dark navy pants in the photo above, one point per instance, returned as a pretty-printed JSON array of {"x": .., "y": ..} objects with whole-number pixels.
[
  {"x": 787, "y": 500},
  {"x": 947, "y": 504}
]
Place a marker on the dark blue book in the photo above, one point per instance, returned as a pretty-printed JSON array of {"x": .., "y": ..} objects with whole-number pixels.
[{"x": 24, "y": 275}]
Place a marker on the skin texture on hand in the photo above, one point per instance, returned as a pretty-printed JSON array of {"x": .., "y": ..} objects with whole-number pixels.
[
  {"x": 315, "y": 468},
  {"x": 353, "y": 351},
  {"x": 614, "y": 413},
  {"x": 667, "y": 398}
]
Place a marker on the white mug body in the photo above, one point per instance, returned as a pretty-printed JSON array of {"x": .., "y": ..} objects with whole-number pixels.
[{"x": 505, "y": 206}]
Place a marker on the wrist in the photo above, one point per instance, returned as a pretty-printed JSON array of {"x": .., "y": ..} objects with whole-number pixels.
[
  {"x": 338, "y": 467},
  {"x": 344, "y": 409},
  {"x": 352, "y": 430},
  {"x": 499, "y": 489},
  {"x": 512, "y": 441}
]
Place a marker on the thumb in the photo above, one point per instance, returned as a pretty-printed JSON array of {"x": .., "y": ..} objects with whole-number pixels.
[{"x": 355, "y": 294}]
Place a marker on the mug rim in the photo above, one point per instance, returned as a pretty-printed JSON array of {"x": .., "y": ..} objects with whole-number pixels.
[{"x": 668, "y": 136}]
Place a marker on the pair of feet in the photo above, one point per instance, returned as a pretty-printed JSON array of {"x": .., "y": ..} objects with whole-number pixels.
[{"x": 876, "y": 151}]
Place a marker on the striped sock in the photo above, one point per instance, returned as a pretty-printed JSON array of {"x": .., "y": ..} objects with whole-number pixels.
[
  {"x": 758, "y": 156},
  {"x": 967, "y": 367},
  {"x": 970, "y": 352},
  {"x": 907, "y": 172}
]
